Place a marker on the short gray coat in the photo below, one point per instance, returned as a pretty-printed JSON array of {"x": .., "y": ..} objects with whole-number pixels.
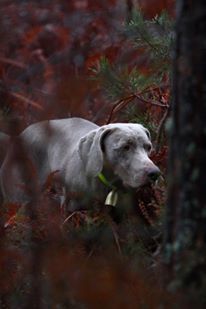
[{"x": 78, "y": 150}]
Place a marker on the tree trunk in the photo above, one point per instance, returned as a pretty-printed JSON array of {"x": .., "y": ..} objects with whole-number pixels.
[{"x": 185, "y": 239}]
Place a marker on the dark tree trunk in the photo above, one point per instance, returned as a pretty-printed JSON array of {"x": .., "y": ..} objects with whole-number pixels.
[
  {"x": 129, "y": 4},
  {"x": 185, "y": 240}
]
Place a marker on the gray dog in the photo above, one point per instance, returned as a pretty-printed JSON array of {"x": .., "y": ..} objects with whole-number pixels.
[{"x": 81, "y": 153}]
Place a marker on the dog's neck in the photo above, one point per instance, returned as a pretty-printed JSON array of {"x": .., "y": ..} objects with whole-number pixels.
[{"x": 109, "y": 179}]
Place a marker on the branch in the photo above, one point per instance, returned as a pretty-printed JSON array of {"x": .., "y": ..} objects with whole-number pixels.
[
  {"x": 26, "y": 100},
  {"x": 118, "y": 106},
  {"x": 160, "y": 129},
  {"x": 123, "y": 102},
  {"x": 13, "y": 62},
  {"x": 152, "y": 102}
]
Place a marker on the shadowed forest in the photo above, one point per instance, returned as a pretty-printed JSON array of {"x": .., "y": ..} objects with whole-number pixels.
[{"x": 108, "y": 61}]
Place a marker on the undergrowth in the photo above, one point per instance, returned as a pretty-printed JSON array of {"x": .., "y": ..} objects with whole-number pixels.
[{"x": 106, "y": 70}]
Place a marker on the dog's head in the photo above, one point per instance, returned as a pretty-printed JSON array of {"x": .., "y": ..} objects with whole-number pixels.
[{"x": 125, "y": 148}]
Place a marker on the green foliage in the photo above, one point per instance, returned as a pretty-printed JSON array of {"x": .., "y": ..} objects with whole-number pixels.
[
  {"x": 119, "y": 82},
  {"x": 152, "y": 38},
  {"x": 110, "y": 78},
  {"x": 155, "y": 36}
]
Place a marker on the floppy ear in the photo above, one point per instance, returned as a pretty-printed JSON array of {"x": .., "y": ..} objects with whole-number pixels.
[
  {"x": 147, "y": 132},
  {"x": 90, "y": 150}
]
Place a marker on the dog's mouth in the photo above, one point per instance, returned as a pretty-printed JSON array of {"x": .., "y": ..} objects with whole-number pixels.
[
  {"x": 147, "y": 200},
  {"x": 147, "y": 203},
  {"x": 128, "y": 183},
  {"x": 148, "y": 183},
  {"x": 151, "y": 182},
  {"x": 138, "y": 186}
]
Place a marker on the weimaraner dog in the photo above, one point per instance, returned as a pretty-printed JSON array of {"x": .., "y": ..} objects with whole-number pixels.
[{"x": 81, "y": 153}]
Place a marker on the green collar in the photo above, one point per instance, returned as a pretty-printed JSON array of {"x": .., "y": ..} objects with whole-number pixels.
[
  {"x": 112, "y": 196},
  {"x": 104, "y": 180}
]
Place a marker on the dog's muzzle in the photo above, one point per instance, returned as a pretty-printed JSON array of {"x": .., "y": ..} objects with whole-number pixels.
[{"x": 153, "y": 174}]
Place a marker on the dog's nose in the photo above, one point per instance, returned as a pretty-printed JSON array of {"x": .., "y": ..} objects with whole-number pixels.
[{"x": 153, "y": 174}]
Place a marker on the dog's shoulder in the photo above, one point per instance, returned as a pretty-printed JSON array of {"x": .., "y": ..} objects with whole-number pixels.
[
  {"x": 73, "y": 124},
  {"x": 57, "y": 126}
]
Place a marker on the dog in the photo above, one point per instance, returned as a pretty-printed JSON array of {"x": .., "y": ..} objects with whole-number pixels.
[{"x": 81, "y": 153}]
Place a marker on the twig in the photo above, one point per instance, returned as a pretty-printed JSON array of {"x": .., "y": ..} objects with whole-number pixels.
[
  {"x": 160, "y": 129},
  {"x": 26, "y": 100},
  {"x": 152, "y": 102},
  {"x": 118, "y": 106},
  {"x": 116, "y": 238},
  {"x": 123, "y": 102},
  {"x": 90, "y": 254},
  {"x": 150, "y": 88},
  {"x": 13, "y": 62},
  {"x": 69, "y": 217}
]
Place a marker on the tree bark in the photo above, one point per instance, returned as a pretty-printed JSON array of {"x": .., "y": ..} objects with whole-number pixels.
[{"x": 185, "y": 239}]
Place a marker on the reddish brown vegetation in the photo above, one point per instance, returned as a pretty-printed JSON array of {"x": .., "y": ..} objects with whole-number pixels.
[{"x": 47, "y": 51}]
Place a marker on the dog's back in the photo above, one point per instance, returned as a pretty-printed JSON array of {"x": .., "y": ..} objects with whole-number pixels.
[
  {"x": 40, "y": 149},
  {"x": 52, "y": 141}
]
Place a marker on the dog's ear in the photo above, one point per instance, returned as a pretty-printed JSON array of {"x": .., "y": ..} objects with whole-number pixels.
[
  {"x": 91, "y": 151},
  {"x": 147, "y": 132}
]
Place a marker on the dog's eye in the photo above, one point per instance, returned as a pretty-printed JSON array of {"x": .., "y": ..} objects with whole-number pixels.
[
  {"x": 126, "y": 147},
  {"x": 148, "y": 147}
]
